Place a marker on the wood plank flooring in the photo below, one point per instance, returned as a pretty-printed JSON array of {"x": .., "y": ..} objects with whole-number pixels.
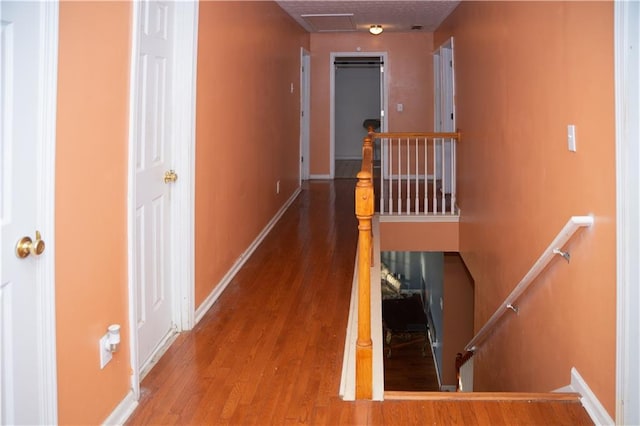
[
  {"x": 407, "y": 369},
  {"x": 269, "y": 352},
  {"x": 347, "y": 169}
]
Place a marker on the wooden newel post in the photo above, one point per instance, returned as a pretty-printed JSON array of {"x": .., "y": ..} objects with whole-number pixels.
[
  {"x": 364, "y": 351},
  {"x": 367, "y": 154}
]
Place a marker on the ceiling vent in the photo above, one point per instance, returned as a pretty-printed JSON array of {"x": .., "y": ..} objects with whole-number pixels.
[{"x": 330, "y": 22}]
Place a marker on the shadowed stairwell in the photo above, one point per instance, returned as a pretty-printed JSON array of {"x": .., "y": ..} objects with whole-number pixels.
[{"x": 270, "y": 351}]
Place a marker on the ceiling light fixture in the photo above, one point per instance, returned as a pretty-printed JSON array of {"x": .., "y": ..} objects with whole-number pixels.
[{"x": 375, "y": 29}]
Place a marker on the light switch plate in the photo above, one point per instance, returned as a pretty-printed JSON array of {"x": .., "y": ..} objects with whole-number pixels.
[{"x": 571, "y": 138}]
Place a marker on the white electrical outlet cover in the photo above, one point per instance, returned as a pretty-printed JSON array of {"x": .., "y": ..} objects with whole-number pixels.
[{"x": 105, "y": 354}]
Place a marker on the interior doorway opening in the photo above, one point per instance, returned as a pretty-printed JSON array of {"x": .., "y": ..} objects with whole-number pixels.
[{"x": 358, "y": 89}]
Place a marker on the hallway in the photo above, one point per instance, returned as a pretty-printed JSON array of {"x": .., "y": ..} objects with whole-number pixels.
[{"x": 270, "y": 350}]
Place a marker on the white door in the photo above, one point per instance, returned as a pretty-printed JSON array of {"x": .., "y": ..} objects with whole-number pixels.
[
  {"x": 152, "y": 140},
  {"x": 305, "y": 70},
  {"x": 444, "y": 121},
  {"x": 28, "y": 64}
]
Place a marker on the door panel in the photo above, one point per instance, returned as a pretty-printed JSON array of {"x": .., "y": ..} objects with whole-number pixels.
[
  {"x": 444, "y": 109},
  {"x": 152, "y": 194},
  {"x": 26, "y": 301}
]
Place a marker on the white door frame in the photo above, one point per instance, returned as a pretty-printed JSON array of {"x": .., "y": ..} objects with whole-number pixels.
[
  {"x": 305, "y": 119},
  {"x": 45, "y": 273},
  {"x": 332, "y": 95},
  {"x": 183, "y": 157},
  {"x": 627, "y": 94}
]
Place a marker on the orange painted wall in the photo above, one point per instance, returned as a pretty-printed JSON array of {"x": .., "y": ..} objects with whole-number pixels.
[
  {"x": 409, "y": 70},
  {"x": 91, "y": 195},
  {"x": 412, "y": 236},
  {"x": 247, "y": 128},
  {"x": 524, "y": 71},
  {"x": 457, "y": 314}
]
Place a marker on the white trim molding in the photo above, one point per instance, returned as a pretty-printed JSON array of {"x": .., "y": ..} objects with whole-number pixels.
[
  {"x": 589, "y": 400},
  {"x": 123, "y": 411},
  {"x": 627, "y": 102},
  {"x": 183, "y": 156},
  {"x": 320, "y": 177},
  {"x": 226, "y": 280},
  {"x": 348, "y": 376},
  {"x": 45, "y": 269}
]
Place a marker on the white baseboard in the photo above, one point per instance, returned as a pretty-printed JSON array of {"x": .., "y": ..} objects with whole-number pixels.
[
  {"x": 222, "y": 285},
  {"x": 590, "y": 402},
  {"x": 122, "y": 412},
  {"x": 564, "y": 389},
  {"x": 348, "y": 377},
  {"x": 157, "y": 353},
  {"x": 320, "y": 177}
]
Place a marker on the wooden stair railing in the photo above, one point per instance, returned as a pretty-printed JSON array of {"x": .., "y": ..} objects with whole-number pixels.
[
  {"x": 364, "y": 346},
  {"x": 364, "y": 206},
  {"x": 417, "y": 173},
  {"x": 364, "y": 213}
]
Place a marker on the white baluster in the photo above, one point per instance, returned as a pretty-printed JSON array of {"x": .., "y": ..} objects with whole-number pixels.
[
  {"x": 417, "y": 206},
  {"x": 426, "y": 177},
  {"x": 408, "y": 176},
  {"x": 443, "y": 184},
  {"x": 390, "y": 172},
  {"x": 381, "y": 174},
  {"x": 453, "y": 175},
  {"x": 435, "y": 175},
  {"x": 399, "y": 176}
]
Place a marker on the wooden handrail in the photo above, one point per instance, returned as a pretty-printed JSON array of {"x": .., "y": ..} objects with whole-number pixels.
[
  {"x": 364, "y": 213},
  {"x": 364, "y": 346},
  {"x": 428, "y": 135},
  {"x": 574, "y": 223}
]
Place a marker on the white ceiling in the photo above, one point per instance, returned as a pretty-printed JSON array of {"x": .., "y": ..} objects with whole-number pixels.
[{"x": 359, "y": 15}]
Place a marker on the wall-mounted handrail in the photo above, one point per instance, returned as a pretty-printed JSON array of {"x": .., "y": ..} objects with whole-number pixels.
[{"x": 554, "y": 249}]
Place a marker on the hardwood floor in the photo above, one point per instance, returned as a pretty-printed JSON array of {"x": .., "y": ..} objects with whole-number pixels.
[
  {"x": 407, "y": 369},
  {"x": 347, "y": 169},
  {"x": 269, "y": 352}
]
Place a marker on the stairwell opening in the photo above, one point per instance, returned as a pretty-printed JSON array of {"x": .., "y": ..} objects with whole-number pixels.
[{"x": 427, "y": 315}]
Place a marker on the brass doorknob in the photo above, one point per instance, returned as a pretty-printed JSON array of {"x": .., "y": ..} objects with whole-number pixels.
[
  {"x": 170, "y": 176},
  {"x": 26, "y": 246}
]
